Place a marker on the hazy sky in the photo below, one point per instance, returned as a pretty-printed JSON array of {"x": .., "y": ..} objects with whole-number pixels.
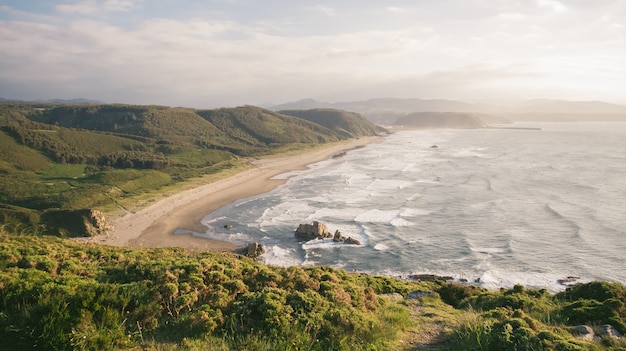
[{"x": 233, "y": 52}]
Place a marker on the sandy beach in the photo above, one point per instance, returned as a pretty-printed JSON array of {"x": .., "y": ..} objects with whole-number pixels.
[{"x": 155, "y": 225}]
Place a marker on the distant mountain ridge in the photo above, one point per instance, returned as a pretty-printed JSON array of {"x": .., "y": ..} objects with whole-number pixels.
[
  {"x": 377, "y": 105},
  {"x": 384, "y": 110}
]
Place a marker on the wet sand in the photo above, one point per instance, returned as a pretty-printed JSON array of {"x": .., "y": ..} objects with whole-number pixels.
[{"x": 155, "y": 225}]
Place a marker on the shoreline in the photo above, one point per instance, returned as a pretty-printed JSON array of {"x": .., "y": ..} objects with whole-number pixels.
[{"x": 155, "y": 225}]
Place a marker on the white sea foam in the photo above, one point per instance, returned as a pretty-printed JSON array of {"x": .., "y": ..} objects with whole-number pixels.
[
  {"x": 463, "y": 209},
  {"x": 381, "y": 247},
  {"x": 279, "y": 256},
  {"x": 377, "y": 216},
  {"x": 496, "y": 279},
  {"x": 489, "y": 250}
]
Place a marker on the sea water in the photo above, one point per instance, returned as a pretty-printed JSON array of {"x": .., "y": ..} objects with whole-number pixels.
[{"x": 494, "y": 207}]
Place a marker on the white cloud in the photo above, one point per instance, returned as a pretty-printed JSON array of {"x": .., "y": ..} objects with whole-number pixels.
[
  {"x": 329, "y": 11},
  {"x": 94, "y": 6},
  {"x": 397, "y": 9},
  {"x": 554, "y": 5},
  {"x": 193, "y": 61},
  {"x": 510, "y": 16}
]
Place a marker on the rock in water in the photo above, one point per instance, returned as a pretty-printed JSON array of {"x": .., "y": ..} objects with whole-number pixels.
[
  {"x": 255, "y": 250},
  {"x": 317, "y": 230},
  {"x": 338, "y": 237},
  {"x": 351, "y": 241}
]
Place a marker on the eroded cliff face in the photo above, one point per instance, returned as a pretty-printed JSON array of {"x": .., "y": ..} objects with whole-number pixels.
[{"x": 75, "y": 223}]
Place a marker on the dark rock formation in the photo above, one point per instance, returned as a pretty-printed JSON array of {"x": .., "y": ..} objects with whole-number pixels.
[
  {"x": 255, "y": 250},
  {"x": 338, "y": 237},
  {"x": 319, "y": 230},
  {"x": 351, "y": 241},
  {"x": 316, "y": 230}
]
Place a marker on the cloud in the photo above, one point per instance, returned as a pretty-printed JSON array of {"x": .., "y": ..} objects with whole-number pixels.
[
  {"x": 397, "y": 9},
  {"x": 327, "y": 10},
  {"x": 199, "y": 60},
  {"x": 510, "y": 16},
  {"x": 94, "y": 6},
  {"x": 554, "y": 5}
]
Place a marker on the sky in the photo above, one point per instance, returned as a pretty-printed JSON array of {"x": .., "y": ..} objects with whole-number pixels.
[{"x": 218, "y": 53}]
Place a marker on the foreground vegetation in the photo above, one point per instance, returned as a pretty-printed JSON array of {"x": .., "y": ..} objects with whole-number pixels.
[{"x": 63, "y": 295}]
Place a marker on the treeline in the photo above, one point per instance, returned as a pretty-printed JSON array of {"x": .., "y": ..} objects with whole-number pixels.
[{"x": 56, "y": 150}]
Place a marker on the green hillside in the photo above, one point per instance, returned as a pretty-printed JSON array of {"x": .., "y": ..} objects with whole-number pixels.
[
  {"x": 347, "y": 124},
  {"x": 71, "y": 157},
  {"x": 257, "y": 127},
  {"x": 157, "y": 122}
]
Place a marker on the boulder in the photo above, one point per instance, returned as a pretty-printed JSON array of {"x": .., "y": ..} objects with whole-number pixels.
[
  {"x": 609, "y": 331},
  {"x": 255, "y": 250},
  {"x": 583, "y": 332},
  {"x": 351, "y": 241},
  {"x": 317, "y": 230}
]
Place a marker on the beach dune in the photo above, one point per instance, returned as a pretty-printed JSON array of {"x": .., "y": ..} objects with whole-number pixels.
[{"x": 155, "y": 225}]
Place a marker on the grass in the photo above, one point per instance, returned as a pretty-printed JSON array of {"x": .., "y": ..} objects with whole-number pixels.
[{"x": 59, "y": 294}]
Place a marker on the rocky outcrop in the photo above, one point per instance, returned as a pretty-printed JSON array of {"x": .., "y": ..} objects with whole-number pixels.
[
  {"x": 96, "y": 222},
  {"x": 351, "y": 241},
  {"x": 317, "y": 230},
  {"x": 75, "y": 223},
  {"x": 583, "y": 332},
  {"x": 586, "y": 333},
  {"x": 338, "y": 237},
  {"x": 255, "y": 250},
  {"x": 609, "y": 331}
]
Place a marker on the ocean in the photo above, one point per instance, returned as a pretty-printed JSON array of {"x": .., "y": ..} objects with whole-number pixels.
[{"x": 493, "y": 207}]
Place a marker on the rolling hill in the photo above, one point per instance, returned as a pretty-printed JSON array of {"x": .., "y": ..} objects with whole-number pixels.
[
  {"x": 348, "y": 124},
  {"x": 70, "y": 157}
]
